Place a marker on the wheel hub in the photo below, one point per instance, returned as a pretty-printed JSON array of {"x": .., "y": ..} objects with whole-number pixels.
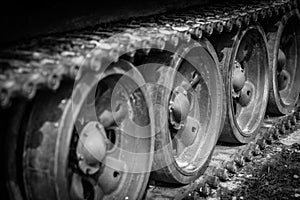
[
  {"x": 246, "y": 94},
  {"x": 281, "y": 60},
  {"x": 91, "y": 148},
  {"x": 283, "y": 79},
  {"x": 179, "y": 108},
  {"x": 238, "y": 77},
  {"x": 189, "y": 132}
]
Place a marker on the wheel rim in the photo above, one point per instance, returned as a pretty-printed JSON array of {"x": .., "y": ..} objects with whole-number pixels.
[
  {"x": 93, "y": 159},
  {"x": 247, "y": 103},
  {"x": 178, "y": 112},
  {"x": 193, "y": 77},
  {"x": 284, "y": 48},
  {"x": 246, "y": 74}
]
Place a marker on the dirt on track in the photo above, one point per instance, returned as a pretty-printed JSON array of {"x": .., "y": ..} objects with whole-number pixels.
[{"x": 275, "y": 174}]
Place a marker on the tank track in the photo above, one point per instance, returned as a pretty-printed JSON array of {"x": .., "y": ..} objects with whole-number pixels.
[
  {"x": 45, "y": 62},
  {"x": 227, "y": 160}
]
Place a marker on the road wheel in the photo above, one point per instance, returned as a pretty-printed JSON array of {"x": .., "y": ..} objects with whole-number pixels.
[{"x": 90, "y": 141}]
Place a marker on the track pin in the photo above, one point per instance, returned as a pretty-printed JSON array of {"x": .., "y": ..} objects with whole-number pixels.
[
  {"x": 247, "y": 19},
  {"x": 263, "y": 14},
  {"x": 228, "y": 25},
  {"x": 270, "y": 12}
]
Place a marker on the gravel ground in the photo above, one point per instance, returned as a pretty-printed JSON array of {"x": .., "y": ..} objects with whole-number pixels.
[{"x": 275, "y": 174}]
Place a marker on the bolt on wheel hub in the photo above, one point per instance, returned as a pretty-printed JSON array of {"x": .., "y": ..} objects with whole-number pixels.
[
  {"x": 238, "y": 77},
  {"x": 91, "y": 148},
  {"x": 179, "y": 108},
  {"x": 246, "y": 94}
]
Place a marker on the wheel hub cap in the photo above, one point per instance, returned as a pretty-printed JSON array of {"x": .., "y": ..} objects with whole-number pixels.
[
  {"x": 238, "y": 79},
  {"x": 246, "y": 94},
  {"x": 281, "y": 62},
  {"x": 283, "y": 79},
  {"x": 91, "y": 147},
  {"x": 179, "y": 108}
]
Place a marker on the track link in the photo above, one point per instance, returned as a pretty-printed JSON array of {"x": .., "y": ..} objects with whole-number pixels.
[
  {"x": 44, "y": 62},
  {"x": 227, "y": 160}
]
